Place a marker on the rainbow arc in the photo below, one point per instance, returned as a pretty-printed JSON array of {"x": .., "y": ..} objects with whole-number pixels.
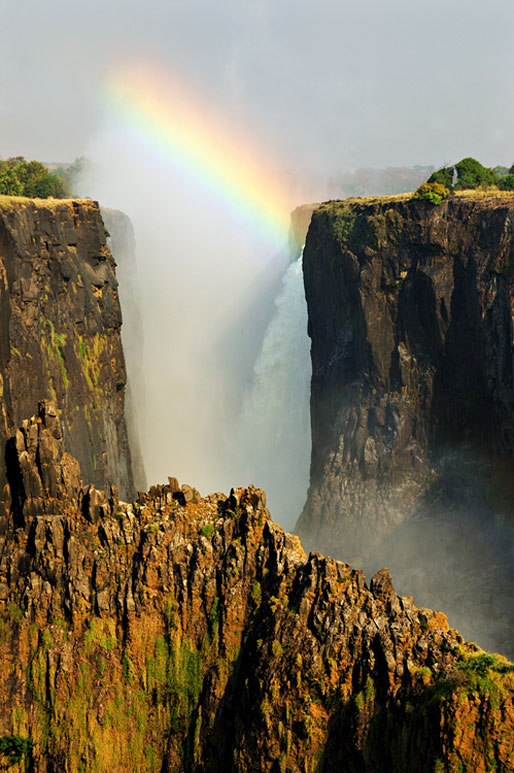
[{"x": 190, "y": 134}]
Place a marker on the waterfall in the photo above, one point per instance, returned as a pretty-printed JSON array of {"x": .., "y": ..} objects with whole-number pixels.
[{"x": 275, "y": 415}]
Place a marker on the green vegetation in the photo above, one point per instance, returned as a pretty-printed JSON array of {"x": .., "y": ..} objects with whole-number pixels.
[
  {"x": 365, "y": 699},
  {"x": 488, "y": 676},
  {"x": 434, "y": 192},
  {"x": 33, "y": 179},
  {"x": 19, "y": 177},
  {"x": 466, "y": 174},
  {"x": 256, "y": 593},
  {"x": 484, "y": 663},
  {"x": 506, "y": 183},
  {"x": 207, "y": 530},
  {"x": 102, "y": 634},
  {"x": 91, "y": 354},
  {"x": 57, "y": 342},
  {"x": 15, "y": 747}
]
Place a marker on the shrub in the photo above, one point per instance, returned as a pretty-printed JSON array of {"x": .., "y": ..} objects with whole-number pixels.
[
  {"x": 433, "y": 192},
  {"x": 207, "y": 530},
  {"x": 14, "y": 747},
  {"x": 507, "y": 182},
  {"x": 469, "y": 174},
  {"x": 443, "y": 176}
]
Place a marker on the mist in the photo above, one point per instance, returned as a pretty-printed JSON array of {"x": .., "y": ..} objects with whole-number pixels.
[{"x": 316, "y": 91}]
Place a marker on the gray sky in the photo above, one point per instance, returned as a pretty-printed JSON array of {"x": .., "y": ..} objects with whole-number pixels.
[{"x": 404, "y": 82}]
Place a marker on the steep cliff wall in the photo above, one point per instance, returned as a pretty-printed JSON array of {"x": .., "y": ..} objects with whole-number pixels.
[
  {"x": 122, "y": 244},
  {"x": 412, "y": 409},
  {"x": 60, "y": 331},
  {"x": 171, "y": 635}
]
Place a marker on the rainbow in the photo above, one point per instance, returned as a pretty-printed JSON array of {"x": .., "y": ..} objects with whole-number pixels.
[{"x": 183, "y": 129}]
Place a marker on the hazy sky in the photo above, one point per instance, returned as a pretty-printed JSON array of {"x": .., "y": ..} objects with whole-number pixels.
[{"x": 403, "y": 81}]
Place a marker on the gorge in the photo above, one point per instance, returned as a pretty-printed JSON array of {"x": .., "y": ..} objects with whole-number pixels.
[{"x": 167, "y": 631}]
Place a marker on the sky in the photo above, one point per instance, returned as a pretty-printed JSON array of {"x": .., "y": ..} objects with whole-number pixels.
[
  {"x": 207, "y": 122},
  {"x": 322, "y": 86}
]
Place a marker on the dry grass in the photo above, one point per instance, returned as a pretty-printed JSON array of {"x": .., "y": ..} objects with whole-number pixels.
[
  {"x": 367, "y": 199},
  {"x": 490, "y": 193},
  {"x": 485, "y": 194},
  {"x": 11, "y": 202}
]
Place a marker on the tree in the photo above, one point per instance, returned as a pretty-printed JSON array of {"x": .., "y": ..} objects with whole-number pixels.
[
  {"x": 10, "y": 185},
  {"x": 19, "y": 177},
  {"x": 466, "y": 174},
  {"x": 507, "y": 182}
]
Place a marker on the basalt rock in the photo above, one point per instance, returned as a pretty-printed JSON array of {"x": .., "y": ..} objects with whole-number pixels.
[
  {"x": 122, "y": 244},
  {"x": 42, "y": 477},
  {"x": 412, "y": 410},
  {"x": 60, "y": 339},
  {"x": 159, "y": 636}
]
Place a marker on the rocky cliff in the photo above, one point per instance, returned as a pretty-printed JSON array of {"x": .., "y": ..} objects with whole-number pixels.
[
  {"x": 122, "y": 244},
  {"x": 178, "y": 633},
  {"x": 60, "y": 325},
  {"x": 412, "y": 409}
]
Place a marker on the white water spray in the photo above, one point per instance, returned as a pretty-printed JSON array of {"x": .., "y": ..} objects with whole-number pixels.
[{"x": 275, "y": 415}]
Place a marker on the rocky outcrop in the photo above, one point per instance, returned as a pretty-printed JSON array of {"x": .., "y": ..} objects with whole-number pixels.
[
  {"x": 411, "y": 320},
  {"x": 196, "y": 635},
  {"x": 60, "y": 332}
]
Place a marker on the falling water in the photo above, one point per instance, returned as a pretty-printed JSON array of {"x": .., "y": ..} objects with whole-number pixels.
[{"x": 275, "y": 416}]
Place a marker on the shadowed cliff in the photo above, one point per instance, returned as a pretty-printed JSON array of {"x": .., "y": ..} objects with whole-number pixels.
[
  {"x": 122, "y": 244},
  {"x": 412, "y": 410}
]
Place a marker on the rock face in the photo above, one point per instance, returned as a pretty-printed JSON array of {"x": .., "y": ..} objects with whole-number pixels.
[
  {"x": 122, "y": 244},
  {"x": 60, "y": 325},
  {"x": 170, "y": 635},
  {"x": 412, "y": 409}
]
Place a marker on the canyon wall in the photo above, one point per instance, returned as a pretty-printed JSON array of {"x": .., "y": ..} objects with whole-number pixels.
[
  {"x": 60, "y": 326},
  {"x": 122, "y": 244},
  {"x": 411, "y": 320}
]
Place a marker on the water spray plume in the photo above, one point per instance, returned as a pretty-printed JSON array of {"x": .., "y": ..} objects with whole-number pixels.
[{"x": 170, "y": 119}]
